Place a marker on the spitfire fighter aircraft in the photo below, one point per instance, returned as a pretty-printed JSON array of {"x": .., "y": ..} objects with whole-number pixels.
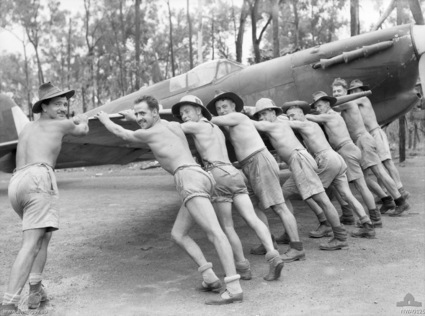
[{"x": 389, "y": 61}]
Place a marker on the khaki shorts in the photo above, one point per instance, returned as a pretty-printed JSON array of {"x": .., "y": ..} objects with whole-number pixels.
[
  {"x": 367, "y": 146},
  {"x": 229, "y": 182},
  {"x": 352, "y": 156},
  {"x": 33, "y": 193},
  {"x": 382, "y": 144},
  {"x": 332, "y": 168},
  {"x": 304, "y": 180},
  {"x": 191, "y": 181},
  {"x": 262, "y": 173}
]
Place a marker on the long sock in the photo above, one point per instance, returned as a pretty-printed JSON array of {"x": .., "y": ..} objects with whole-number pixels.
[
  {"x": 340, "y": 233},
  {"x": 365, "y": 219},
  {"x": 271, "y": 255},
  {"x": 399, "y": 201},
  {"x": 346, "y": 211},
  {"x": 375, "y": 215},
  {"x": 207, "y": 273},
  {"x": 34, "y": 278},
  {"x": 243, "y": 265},
  {"x": 321, "y": 217},
  {"x": 11, "y": 299},
  {"x": 232, "y": 285},
  {"x": 297, "y": 245}
]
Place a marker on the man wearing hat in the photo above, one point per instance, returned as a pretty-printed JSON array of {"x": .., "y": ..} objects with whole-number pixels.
[
  {"x": 340, "y": 88},
  {"x": 340, "y": 140},
  {"x": 230, "y": 187},
  {"x": 33, "y": 191},
  {"x": 371, "y": 123},
  {"x": 303, "y": 179},
  {"x": 370, "y": 159},
  {"x": 195, "y": 187},
  {"x": 258, "y": 165},
  {"x": 331, "y": 167}
]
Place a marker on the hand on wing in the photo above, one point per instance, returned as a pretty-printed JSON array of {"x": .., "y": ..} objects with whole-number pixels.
[
  {"x": 102, "y": 116},
  {"x": 128, "y": 115},
  {"x": 80, "y": 118}
]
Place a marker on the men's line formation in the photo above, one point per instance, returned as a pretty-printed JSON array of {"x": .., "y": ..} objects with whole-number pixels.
[{"x": 326, "y": 147}]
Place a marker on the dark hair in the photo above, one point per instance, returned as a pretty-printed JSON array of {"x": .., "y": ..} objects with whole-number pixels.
[{"x": 150, "y": 101}]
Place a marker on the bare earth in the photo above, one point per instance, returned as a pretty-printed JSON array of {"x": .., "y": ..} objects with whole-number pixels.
[{"x": 113, "y": 254}]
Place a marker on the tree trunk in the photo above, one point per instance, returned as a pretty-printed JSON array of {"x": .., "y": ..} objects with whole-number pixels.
[
  {"x": 415, "y": 7},
  {"x": 189, "y": 23},
  {"x": 212, "y": 34},
  {"x": 296, "y": 23},
  {"x": 27, "y": 83},
  {"x": 354, "y": 14},
  {"x": 241, "y": 30},
  {"x": 137, "y": 43},
  {"x": 200, "y": 52},
  {"x": 68, "y": 57},
  {"x": 275, "y": 24},
  {"x": 402, "y": 119},
  {"x": 171, "y": 40},
  {"x": 255, "y": 43},
  {"x": 387, "y": 12}
]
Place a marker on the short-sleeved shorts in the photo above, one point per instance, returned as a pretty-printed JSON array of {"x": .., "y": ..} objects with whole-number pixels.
[
  {"x": 332, "y": 168},
  {"x": 367, "y": 146},
  {"x": 33, "y": 193},
  {"x": 229, "y": 181},
  {"x": 192, "y": 181},
  {"x": 382, "y": 144},
  {"x": 303, "y": 180},
  {"x": 262, "y": 173},
  {"x": 352, "y": 156}
]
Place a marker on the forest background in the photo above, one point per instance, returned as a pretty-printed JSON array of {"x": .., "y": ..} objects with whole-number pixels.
[{"x": 108, "y": 48}]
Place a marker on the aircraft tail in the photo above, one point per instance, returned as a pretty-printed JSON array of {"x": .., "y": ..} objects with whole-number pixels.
[{"x": 12, "y": 121}]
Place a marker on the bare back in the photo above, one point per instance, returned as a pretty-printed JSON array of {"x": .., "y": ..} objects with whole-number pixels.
[
  {"x": 210, "y": 142},
  {"x": 169, "y": 145},
  {"x": 336, "y": 129},
  {"x": 368, "y": 113},
  {"x": 313, "y": 136},
  {"x": 282, "y": 138},
  {"x": 41, "y": 141},
  {"x": 353, "y": 119}
]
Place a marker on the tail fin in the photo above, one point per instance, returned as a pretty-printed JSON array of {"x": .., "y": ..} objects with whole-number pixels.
[{"x": 12, "y": 121}]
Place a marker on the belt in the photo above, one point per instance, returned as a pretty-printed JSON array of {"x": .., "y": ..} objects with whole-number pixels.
[
  {"x": 337, "y": 148},
  {"x": 245, "y": 160},
  {"x": 41, "y": 164},
  {"x": 374, "y": 129},
  {"x": 209, "y": 165},
  {"x": 186, "y": 166},
  {"x": 320, "y": 152}
]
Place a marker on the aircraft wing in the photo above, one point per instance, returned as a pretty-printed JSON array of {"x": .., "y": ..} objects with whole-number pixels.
[{"x": 100, "y": 146}]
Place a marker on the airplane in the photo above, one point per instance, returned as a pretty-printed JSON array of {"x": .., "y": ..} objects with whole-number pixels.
[{"x": 388, "y": 60}]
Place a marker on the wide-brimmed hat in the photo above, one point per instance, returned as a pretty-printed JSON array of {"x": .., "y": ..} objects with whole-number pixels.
[
  {"x": 190, "y": 100},
  {"x": 266, "y": 104},
  {"x": 222, "y": 95},
  {"x": 357, "y": 83},
  {"x": 303, "y": 105},
  {"x": 48, "y": 91},
  {"x": 320, "y": 95}
]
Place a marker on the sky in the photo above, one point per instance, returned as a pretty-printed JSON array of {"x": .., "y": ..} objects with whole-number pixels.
[{"x": 368, "y": 15}]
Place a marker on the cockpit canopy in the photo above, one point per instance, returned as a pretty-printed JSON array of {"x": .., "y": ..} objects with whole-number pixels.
[{"x": 204, "y": 74}]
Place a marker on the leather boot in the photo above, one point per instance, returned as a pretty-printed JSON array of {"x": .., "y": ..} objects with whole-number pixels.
[
  {"x": 321, "y": 231},
  {"x": 275, "y": 266},
  {"x": 366, "y": 231},
  {"x": 387, "y": 204},
  {"x": 295, "y": 252},
  {"x": 37, "y": 294},
  {"x": 339, "y": 241}
]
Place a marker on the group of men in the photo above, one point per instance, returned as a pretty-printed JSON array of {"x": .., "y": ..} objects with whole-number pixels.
[{"x": 324, "y": 151}]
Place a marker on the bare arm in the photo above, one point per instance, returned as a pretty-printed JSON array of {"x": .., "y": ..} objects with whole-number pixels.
[
  {"x": 297, "y": 124},
  {"x": 125, "y": 134},
  {"x": 230, "y": 119},
  {"x": 129, "y": 115},
  {"x": 319, "y": 118},
  {"x": 262, "y": 126},
  {"x": 190, "y": 127},
  {"x": 77, "y": 126},
  {"x": 343, "y": 106}
]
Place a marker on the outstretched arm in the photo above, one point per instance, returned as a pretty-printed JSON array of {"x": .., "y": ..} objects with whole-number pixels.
[
  {"x": 119, "y": 131},
  {"x": 230, "y": 119},
  {"x": 319, "y": 118},
  {"x": 191, "y": 127},
  {"x": 261, "y": 126},
  {"x": 298, "y": 125},
  {"x": 77, "y": 126}
]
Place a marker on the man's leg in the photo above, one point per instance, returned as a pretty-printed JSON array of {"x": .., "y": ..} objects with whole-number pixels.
[
  {"x": 390, "y": 185},
  {"x": 387, "y": 200},
  {"x": 339, "y": 240},
  {"x": 347, "y": 217},
  {"x": 374, "y": 213},
  {"x": 261, "y": 250},
  {"x": 324, "y": 229},
  {"x": 180, "y": 234},
  {"x": 392, "y": 170},
  {"x": 202, "y": 212},
  {"x": 31, "y": 244},
  {"x": 246, "y": 210},
  {"x": 37, "y": 294},
  {"x": 224, "y": 214}
]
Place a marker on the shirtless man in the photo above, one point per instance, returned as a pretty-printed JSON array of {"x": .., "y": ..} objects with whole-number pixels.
[
  {"x": 33, "y": 191},
  {"x": 258, "y": 165},
  {"x": 340, "y": 140},
  {"x": 372, "y": 126},
  {"x": 331, "y": 166},
  {"x": 195, "y": 186},
  {"x": 370, "y": 159},
  {"x": 304, "y": 179},
  {"x": 230, "y": 187},
  {"x": 339, "y": 88}
]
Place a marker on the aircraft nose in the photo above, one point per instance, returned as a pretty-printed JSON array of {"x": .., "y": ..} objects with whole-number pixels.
[{"x": 418, "y": 38}]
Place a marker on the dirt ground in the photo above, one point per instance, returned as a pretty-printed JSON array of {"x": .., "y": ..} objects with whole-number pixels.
[{"x": 113, "y": 254}]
